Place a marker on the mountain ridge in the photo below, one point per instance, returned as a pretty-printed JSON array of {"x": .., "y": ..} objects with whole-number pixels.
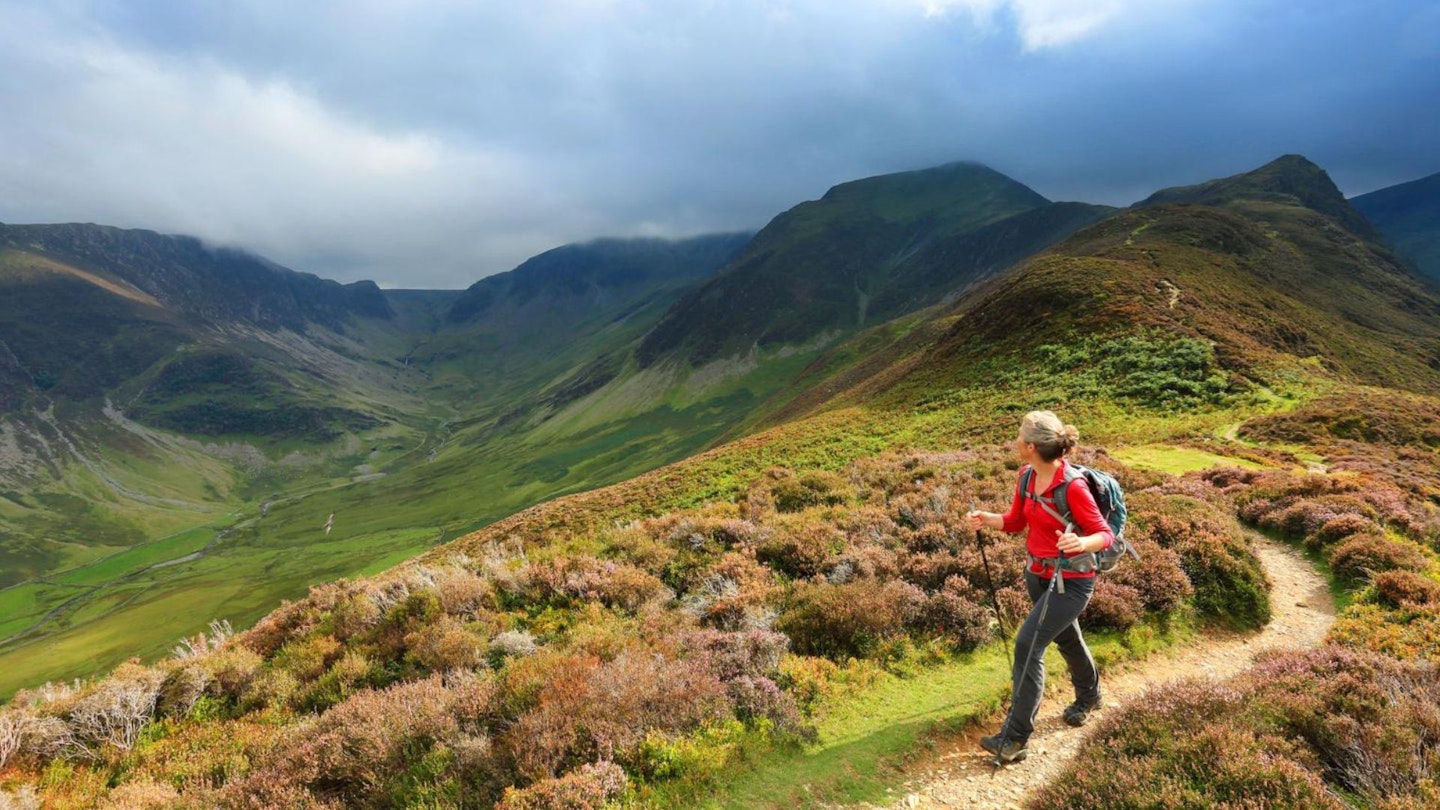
[
  {"x": 209, "y": 282},
  {"x": 855, "y": 256},
  {"x": 1288, "y": 177}
]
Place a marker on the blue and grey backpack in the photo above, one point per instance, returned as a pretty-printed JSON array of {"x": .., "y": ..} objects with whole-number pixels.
[{"x": 1109, "y": 497}]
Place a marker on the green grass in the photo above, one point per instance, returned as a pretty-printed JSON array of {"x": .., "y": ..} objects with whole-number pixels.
[
  {"x": 23, "y": 605},
  {"x": 405, "y": 540},
  {"x": 867, "y": 738},
  {"x": 864, "y": 739},
  {"x": 1176, "y": 460},
  {"x": 148, "y": 616},
  {"x": 139, "y": 558}
]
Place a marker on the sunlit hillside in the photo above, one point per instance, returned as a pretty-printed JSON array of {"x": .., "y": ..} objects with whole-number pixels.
[{"x": 779, "y": 620}]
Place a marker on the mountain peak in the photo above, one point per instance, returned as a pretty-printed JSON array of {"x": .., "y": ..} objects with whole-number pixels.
[
  {"x": 1292, "y": 179},
  {"x": 962, "y": 188}
]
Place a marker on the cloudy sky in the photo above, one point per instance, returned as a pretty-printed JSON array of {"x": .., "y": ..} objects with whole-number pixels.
[{"x": 428, "y": 143}]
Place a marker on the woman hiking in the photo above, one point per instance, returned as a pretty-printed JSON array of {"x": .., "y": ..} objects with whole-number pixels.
[{"x": 1056, "y": 606}]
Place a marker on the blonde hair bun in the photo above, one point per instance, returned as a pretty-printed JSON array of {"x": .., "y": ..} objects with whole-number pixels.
[{"x": 1051, "y": 437}]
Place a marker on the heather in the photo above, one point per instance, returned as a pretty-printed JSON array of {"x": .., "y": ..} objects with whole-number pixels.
[
  {"x": 624, "y": 662},
  {"x": 1352, "y": 724},
  {"x": 1330, "y": 728}
]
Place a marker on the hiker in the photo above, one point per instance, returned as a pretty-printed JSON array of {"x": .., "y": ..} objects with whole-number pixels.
[{"x": 1042, "y": 445}]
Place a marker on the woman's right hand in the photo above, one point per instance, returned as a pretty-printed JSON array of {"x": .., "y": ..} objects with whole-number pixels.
[{"x": 977, "y": 519}]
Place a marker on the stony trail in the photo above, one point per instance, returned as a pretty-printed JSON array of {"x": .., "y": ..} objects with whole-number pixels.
[{"x": 959, "y": 774}]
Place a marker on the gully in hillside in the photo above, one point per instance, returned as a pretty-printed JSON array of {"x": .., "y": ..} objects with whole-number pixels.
[{"x": 1054, "y": 546}]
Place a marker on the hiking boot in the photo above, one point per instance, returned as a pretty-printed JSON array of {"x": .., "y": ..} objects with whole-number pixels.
[
  {"x": 1077, "y": 713},
  {"x": 1013, "y": 750}
]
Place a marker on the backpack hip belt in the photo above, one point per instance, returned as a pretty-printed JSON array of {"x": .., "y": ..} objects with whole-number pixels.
[{"x": 1080, "y": 564}]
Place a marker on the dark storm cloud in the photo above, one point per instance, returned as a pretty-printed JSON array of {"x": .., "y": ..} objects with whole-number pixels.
[{"x": 429, "y": 144}]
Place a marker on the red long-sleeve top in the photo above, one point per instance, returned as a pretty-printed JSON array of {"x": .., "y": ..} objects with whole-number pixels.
[{"x": 1044, "y": 529}]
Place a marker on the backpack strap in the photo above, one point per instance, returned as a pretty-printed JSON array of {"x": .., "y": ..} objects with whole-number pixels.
[
  {"x": 1081, "y": 562},
  {"x": 1062, "y": 492},
  {"x": 1056, "y": 506}
]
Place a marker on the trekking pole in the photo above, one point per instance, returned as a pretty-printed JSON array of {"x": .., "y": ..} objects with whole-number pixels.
[
  {"x": 1034, "y": 637},
  {"x": 994, "y": 597}
]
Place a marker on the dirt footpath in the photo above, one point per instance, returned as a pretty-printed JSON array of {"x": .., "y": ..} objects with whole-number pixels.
[{"x": 959, "y": 774}]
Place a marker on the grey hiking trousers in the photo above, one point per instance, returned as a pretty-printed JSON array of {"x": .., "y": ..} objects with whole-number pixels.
[{"x": 1060, "y": 625}]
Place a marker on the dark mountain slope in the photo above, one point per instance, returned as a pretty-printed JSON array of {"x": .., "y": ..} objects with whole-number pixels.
[
  {"x": 579, "y": 279},
  {"x": 1409, "y": 217},
  {"x": 867, "y": 251},
  {"x": 73, "y": 335},
  {"x": 556, "y": 326},
  {"x": 214, "y": 347},
  {"x": 185, "y": 275}
]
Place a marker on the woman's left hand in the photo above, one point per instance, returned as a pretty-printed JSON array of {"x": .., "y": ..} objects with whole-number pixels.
[{"x": 1069, "y": 542}]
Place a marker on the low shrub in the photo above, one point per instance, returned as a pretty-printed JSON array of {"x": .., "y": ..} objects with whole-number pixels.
[
  {"x": 463, "y": 593},
  {"x": 793, "y": 493},
  {"x": 759, "y": 697},
  {"x": 1306, "y": 516},
  {"x": 1361, "y": 555},
  {"x": 276, "y": 627},
  {"x": 808, "y": 679},
  {"x": 354, "y": 751},
  {"x": 587, "y": 710},
  {"x": 444, "y": 645},
  {"x": 1229, "y": 583},
  {"x": 1406, "y": 589},
  {"x": 185, "y": 683},
  {"x": 1158, "y": 577},
  {"x": 1300, "y": 729},
  {"x": 512, "y": 644},
  {"x": 1114, "y": 605},
  {"x": 141, "y": 795},
  {"x": 844, "y": 621},
  {"x": 1373, "y": 723},
  {"x": 1338, "y": 528},
  {"x": 1406, "y": 634},
  {"x": 733, "y": 594},
  {"x": 35, "y": 737},
  {"x": 801, "y": 551},
  {"x": 270, "y": 689},
  {"x": 111, "y": 713},
  {"x": 196, "y": 753},
  {"x": 752, "y": 653},
  {"x": 344, "y": 678},
  {"x": 588, "y": 787},
  {"x": 570, "y": 580},
  {"x": 308, "y": 657},
  {"x": 959, "y": 612},
  {"x": 931, "y": 570}
]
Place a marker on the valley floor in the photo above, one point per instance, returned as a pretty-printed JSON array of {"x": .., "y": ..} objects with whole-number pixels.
[{"x": 960, "y": 774}]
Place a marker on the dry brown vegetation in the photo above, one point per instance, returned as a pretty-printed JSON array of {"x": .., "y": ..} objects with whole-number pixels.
[{"x": 563, "y": 669}]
